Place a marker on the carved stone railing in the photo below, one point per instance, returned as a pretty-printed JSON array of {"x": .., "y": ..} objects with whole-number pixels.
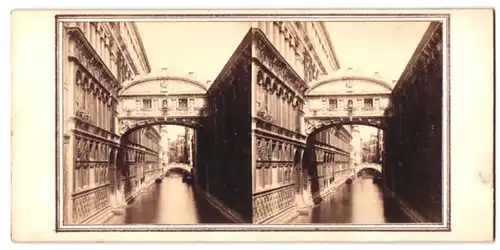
[
  {"x": 90, "y": 202},
  {"x": 86, "y": 125},
  {"x": 267, "y": 126},
  {"x": 271, "y": 202}
]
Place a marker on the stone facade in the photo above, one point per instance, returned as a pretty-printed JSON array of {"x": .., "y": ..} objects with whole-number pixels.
[
  {"x": 347, "y": 97},
  {"x": 413, "y": 139},
  {"x": 160, "y": 99},
  {"x": 140, "y": 162},
  {"x": 251, "y": 162},
  {"x": 97, "y": 58},
  {"x": 286, "y": 57},
  {"x": 328, "y": 160},
  {"x": 223, "y": 144},
  {"x": 356, "y": 144}
]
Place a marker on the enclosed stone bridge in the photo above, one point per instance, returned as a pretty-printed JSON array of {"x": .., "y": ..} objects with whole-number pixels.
[
  {"x": 162, "y": 100},
  {"x": 347, "y": 97}
]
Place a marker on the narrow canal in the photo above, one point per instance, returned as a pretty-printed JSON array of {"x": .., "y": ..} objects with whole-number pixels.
[
  {"x": 169, "y": 202},
  {"x": 361, "y": 202}
]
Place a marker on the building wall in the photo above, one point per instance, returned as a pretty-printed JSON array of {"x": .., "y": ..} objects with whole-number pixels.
[
  {"x": 357, "y": 146},
  {"x": 141, "y": 162},
  {"x": 95, "y": 62},
  {"x": 224, "y": 145},
  {"x": 164, "y": 144},
  {"x": 413, "y": 142},
  {"x": 188, "y": 145},
  {"x": 285, "y": 57},
  {"x": 331, "y": 158},
  {"x": 176, "y": 150}
]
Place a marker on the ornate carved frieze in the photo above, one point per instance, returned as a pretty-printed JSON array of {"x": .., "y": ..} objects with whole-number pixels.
[
  {"x": 277, "y": 65},
  {"x": 86, "y": 126},
  {"x": 85, "y": 55},
  {"x": 128, "y": 123},
  {"x": 266, "y": 125},
  {"x": 264, "y": 152},
  {"x": 428, "y": 51},
  {"x": 314, "y": 124}
]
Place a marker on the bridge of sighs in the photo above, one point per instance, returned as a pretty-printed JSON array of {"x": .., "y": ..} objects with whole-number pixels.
[
  {"x": 347, "y": 97},
  {"x": 156, "y": 100}
]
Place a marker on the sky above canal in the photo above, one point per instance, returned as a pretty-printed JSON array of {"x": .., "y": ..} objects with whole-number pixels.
[{"x": 184, "y": 47}]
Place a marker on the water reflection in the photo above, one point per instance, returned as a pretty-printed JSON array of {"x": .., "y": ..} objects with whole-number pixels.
[
  {"x": 362, "y": 202},
  {"x": 170, "y": 202},
  {"x": 368, "y": 203}
]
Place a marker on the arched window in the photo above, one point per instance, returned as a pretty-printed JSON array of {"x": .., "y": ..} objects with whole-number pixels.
[{"x": 78, "y": 91}]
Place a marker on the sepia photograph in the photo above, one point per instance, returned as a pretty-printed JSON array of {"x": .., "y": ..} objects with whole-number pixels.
[
  {"x": 264, "y": 126},
  {"x": 262, "y": 122}
]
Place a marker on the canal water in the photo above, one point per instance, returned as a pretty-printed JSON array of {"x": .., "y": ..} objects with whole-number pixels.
[
  {"x": 361, "y": 202},
  {"x": 169, "y": 202},
  {"x": 175, "y": 202}
]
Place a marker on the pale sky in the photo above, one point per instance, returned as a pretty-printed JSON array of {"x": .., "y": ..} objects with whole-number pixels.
[
  {"x": 184, "y": 47},
  {"x": 383, "y": 47},
  {"x": 204, "y": 48}
]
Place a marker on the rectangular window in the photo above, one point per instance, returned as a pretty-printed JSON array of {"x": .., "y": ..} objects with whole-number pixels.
[
  {"x": 333, "y": 103},
  {"x": 79, "y": 97},
  {"x": 146, "y": 104},
  {"x": 183, "y": 103},
  {"x": 258, "y": 95},
  {"x": 368, "y": 103}
]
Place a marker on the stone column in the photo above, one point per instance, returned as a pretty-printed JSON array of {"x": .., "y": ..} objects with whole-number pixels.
[
  {"x": 276, "y": 35},
  {"x": 289, "y": 49},
  {"x": 286, "y": 48},
  {"x": 262, "y": 26},
  {"x": 282, "y": 40},
  {"x": 298, "y": 67},
  {"x": 103, "y": 49},
  {"x": 269, "y": 30},
  {"x": 86, "y": 30},
  {"x": 293, "y": 57},
  {"x": 94, "y": 37}
]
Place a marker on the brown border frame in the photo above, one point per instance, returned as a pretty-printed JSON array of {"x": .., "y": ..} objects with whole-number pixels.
[{"x": 254, "y": 227}]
